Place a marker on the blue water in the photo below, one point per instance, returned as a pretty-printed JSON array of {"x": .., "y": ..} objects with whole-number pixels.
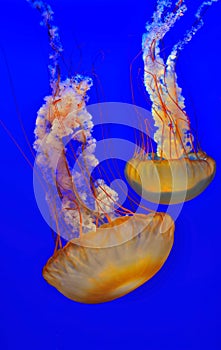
[{"x": 180, "y": 307}]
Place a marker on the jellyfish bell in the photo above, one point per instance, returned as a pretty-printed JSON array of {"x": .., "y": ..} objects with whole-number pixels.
[
  {"x": 113, "y": 261},
  {"x": 177, "y": 171},
  {"x": 170, "y": 181}
]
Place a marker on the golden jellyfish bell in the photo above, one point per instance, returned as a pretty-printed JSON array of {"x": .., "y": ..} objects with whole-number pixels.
[
  {"x": 111, "y": 262},
  {"x": 170, "y": 181}
]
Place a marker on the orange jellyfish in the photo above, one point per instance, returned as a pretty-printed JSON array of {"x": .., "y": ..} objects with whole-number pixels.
[
  {"x": 177, "y": 171},
  {"x": 110, "y": 250}
]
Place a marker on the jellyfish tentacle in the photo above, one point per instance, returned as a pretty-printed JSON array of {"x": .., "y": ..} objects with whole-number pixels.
[
  {"x": 54, "y": 38},
  {"x": 191, "y": 32}
]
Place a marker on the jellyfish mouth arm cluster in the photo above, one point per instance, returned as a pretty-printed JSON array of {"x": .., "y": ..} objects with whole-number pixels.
[
  {"x": 64, "y": 116},
  {"x": 173, "y": 136}
]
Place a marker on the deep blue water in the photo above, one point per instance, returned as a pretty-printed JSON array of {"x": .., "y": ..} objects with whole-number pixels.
[{"x": 180, "y": 307}]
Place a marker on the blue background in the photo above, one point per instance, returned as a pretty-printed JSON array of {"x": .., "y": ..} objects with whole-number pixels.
[{"x": 179, "y": 308}]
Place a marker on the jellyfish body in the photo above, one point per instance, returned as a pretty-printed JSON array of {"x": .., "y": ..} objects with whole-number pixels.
[
  {"x": 109, "y": 253},
  {"x": 101, "y": 261},
  {"x": 176, "y": 172},
  {"x": 114, "y": 260}
]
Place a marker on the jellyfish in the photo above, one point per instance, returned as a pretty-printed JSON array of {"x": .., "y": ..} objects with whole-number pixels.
[
  {"x": 103, "y": 250},
  {"x": 178, "y": 170}
]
